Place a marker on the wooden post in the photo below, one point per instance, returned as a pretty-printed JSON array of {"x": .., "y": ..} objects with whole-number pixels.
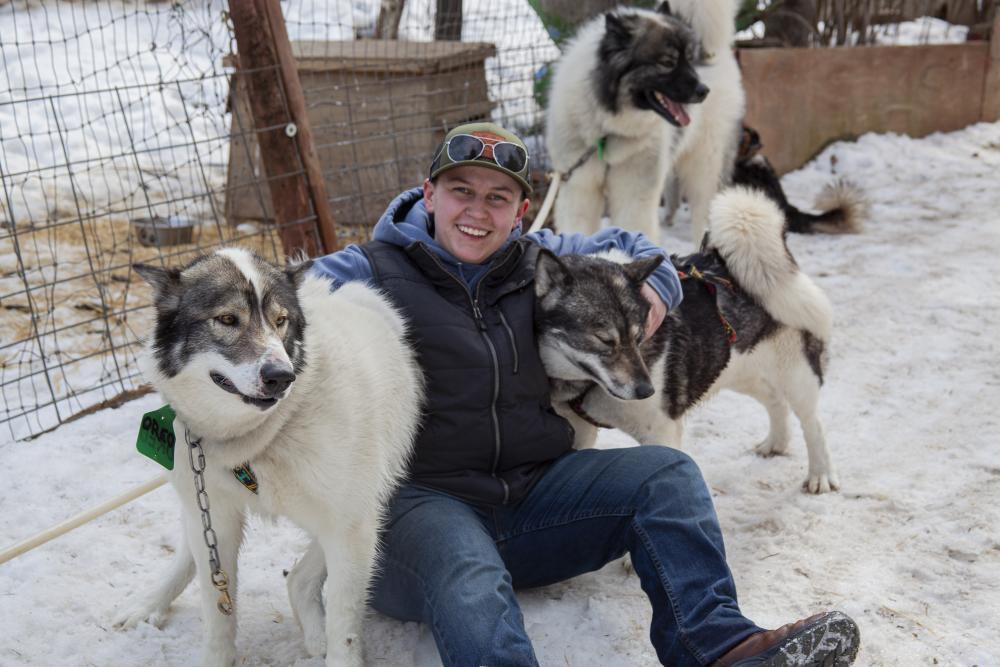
[
  {"x": 300, "y": 113},
  {"x": 297, "y": 190},
  {"x": 991, "y": 83}
]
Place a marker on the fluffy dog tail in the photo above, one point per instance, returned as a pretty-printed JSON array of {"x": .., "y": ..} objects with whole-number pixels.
[
  {"x": 747, "y": 228},
  {"x": 713, "y": 21},
  {"x": 844, "y": 207}
]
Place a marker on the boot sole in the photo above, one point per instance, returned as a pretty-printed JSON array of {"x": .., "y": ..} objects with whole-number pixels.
[{"x": 831, "y": 641}]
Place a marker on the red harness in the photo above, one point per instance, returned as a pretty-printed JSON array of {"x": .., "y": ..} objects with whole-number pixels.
[{"x": 710, "y": 280}]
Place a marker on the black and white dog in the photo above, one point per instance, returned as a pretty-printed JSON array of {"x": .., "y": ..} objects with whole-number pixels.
[
  {"x": 315, "y": 394},
  {"x": 750, "y": 321},
  {"x": 639, "y": 98},
  {"x": 843, "y": 205}
]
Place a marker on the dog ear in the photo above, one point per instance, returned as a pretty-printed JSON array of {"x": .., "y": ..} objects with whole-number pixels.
[
  {"x": 618, "y": 29},
  {"x": 664, "y": 8},
  {"x": 641, "y": 269},
  {"x": 296, "y": 268},
  {"x": 550, "y": 274},
  {"x": 706, "y": 242},
  {"x": 166, "y": 283}
]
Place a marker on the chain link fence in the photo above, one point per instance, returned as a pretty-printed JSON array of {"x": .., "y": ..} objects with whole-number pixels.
[{"x": 126, "y": 135}]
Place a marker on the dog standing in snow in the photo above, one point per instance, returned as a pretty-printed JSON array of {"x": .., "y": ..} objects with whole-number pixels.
[
  {"x": 639, "y": 97},
  {"x": 750, "y": 321},
  {"x": 315, "y": 394}
]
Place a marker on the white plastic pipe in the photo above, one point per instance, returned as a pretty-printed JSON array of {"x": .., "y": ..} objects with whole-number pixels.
[
  {"x": 550, "y": 198},
  {"x": 80, "y": 519}
]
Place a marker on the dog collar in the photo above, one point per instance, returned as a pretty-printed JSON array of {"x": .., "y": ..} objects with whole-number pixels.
[
  {"x": 576, "y": 405},
  {"x": 244, "y": 475},
  {"x": 600, "y": 148}
]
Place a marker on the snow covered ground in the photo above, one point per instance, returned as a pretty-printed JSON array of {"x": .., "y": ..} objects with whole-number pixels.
[{"x": 909, "y": 546}]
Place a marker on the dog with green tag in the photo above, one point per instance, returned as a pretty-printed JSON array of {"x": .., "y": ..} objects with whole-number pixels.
[{"x": 276, "y": 383}]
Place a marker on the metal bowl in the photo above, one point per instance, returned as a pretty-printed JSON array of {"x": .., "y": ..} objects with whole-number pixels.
[{"x": 160, "y": 231}]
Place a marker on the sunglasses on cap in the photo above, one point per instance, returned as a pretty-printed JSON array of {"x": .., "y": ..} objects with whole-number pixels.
[{"x": 507, "y": 155}]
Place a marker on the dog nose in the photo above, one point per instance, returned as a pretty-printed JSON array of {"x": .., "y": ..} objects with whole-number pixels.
[
  {"x": 276, "y": 378},
  {"x": 644, "y": 390},
  {"x": 700, "y": 93}
]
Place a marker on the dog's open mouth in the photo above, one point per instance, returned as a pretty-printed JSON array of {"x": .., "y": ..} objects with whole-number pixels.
[
  {"x": 666, "y": 107},
  {"x": 227, "y": 384}
]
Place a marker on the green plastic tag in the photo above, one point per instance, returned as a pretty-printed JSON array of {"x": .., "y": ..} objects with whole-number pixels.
[{"x": 156, "y": 436}]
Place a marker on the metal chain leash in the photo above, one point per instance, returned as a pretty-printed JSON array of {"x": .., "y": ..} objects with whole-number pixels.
[{"x": 219, "y": 578}]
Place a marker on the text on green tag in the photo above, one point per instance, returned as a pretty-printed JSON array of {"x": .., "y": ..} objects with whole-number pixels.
[{"x": 156, "y": 436}]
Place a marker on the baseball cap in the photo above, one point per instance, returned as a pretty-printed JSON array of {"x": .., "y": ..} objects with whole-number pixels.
[{"x": 483, "y": 145}]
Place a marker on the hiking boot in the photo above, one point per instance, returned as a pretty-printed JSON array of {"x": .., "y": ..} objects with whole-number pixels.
[{"x": 830, "y": 639}]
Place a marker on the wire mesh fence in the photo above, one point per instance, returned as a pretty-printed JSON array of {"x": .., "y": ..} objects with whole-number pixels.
[{"x": 127, "y": 135}]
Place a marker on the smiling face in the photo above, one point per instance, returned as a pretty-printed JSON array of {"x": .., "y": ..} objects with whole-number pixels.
[{"x": 475, "y": 210}]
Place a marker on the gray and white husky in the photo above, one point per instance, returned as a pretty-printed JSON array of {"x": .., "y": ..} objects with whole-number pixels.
[
  {"x": 750, "y": 321},
  {"x": 660, "y": 93},
  {"x": 317, "y": 393}
]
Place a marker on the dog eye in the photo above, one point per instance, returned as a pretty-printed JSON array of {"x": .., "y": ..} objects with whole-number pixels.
[
  {"x": 280, "y": 320},
  {"x": 608, "y": 342},
  {"x": 227, "y": 320}
]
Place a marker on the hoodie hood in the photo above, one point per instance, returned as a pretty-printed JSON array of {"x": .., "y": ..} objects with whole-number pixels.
[{"x": 406, "y": 221}]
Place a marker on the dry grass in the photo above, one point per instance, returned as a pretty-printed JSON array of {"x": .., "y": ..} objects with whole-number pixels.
[{"x": 86, "y": 298}]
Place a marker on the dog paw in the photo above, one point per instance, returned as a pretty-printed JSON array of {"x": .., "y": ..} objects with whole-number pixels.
[
  {"x": 129, "y": 618},
  {"x": 821, "y": 483},
  {"x": 771, "y": 447}
]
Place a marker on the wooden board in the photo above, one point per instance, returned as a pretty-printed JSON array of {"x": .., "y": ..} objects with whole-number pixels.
[
  {"x": 800, "y": 100},
  {"x": 991, "y": 84},
  {"x": 384, "y": 56},
  {"x": 376, "y": 121}
]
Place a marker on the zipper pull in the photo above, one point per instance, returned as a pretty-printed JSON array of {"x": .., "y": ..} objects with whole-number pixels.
[{"x": 478, "y": 314}]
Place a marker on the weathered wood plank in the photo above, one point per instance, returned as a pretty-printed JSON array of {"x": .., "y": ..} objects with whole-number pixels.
[
  {"x": 991, "y": 84},
  {"x": 303, "y": 135},
  {"x": 290, "y": 195},
  {"x": 800, "y": 100}
]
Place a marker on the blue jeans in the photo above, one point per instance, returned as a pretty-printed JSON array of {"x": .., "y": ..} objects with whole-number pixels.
[{"x": 455, "y": 566}]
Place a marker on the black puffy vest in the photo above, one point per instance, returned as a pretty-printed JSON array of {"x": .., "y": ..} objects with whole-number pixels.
[{"x": 488, "y": 431}]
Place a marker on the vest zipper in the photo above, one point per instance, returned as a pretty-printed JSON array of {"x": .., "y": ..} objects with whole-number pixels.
[
  {"x": 481, "y": 325},
  {"x": 496, "y": 395},
  {"x": 510, "y": 334}
]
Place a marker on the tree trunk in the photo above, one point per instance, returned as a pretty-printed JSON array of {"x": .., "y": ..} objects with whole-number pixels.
[
  {"x": 448, "y": 21},
  {"x": 389, "y": 15}
]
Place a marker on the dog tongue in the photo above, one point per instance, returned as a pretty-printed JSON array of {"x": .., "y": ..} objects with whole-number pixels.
[{"x": 677, "y": 111}]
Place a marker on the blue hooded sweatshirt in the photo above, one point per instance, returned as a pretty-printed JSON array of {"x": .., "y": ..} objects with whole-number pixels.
[
  {"x": 489, "y": 432},
  {"x": 406, "y": 221}
]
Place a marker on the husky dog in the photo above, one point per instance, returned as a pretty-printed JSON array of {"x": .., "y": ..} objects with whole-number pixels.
[
  {"x": 750, "y": 321},
  {"x": 638, "y": 98},
  {"x": 314, "y": 393},
  {"x": 844, "y": 206}
]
